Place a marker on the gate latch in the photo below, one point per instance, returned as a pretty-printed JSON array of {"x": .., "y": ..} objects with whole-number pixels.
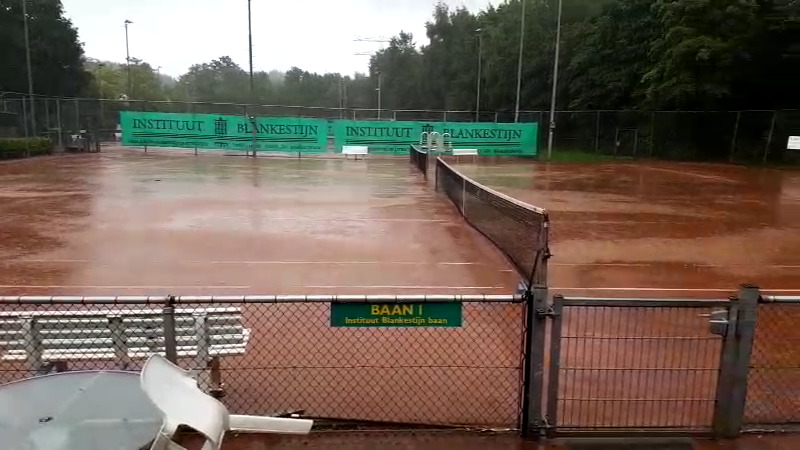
[
  {"x": 718, "y": 321},
  {"x": 546, "y": 312}
]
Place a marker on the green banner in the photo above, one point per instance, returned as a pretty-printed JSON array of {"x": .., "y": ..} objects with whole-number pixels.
[
  {"x": 493, "y": 139},
  {"x": 222, "y": 132},
  {"x": 506, "y": 139},
  {"x": 380, "y": 136},
  {"x": 442, "y": 315}
]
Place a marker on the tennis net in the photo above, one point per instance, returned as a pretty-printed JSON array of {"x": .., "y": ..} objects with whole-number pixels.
[
  {"x": 419, "y": 158},
  {"x": 517, "y": 229}
]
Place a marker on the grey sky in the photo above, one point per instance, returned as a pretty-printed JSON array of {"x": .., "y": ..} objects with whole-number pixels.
[{"x": 315, "y": 35}]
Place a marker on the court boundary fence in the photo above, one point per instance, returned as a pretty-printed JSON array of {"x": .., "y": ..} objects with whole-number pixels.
[
  {"x": 619, "y": 366},
  {"x": 747, "y": 136}
]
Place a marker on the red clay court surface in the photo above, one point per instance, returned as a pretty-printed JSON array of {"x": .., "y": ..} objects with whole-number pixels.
[
  {"x": 124, "y": 222},
  {"x": 655, "y": 229}
]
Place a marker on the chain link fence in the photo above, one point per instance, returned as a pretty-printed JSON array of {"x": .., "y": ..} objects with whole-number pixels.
[
  {"x": 278, "y": 354},
  {"x": 773, "y": 384},
  {"x": 732, "y": 136},
  {"x": 615, "y": 365}
]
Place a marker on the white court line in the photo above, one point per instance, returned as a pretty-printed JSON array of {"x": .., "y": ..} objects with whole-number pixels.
[
  {"x": 95, "y": 286},
  {"x": 333, "y": 286},
  {"x": 674, "y": 264},
  {"x": 654, "y": 289},
  {"x": 267, "y": 262},
  {"x": 692, "y": 174}
]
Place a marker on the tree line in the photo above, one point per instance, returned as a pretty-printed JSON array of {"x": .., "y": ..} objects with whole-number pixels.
[{"x": 614, "y": 54}]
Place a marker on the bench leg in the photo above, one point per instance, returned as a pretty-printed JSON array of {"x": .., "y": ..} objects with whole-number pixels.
[{"x": 216, "y": 389}]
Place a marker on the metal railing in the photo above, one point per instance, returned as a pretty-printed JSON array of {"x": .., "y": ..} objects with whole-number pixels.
[
  {"x": 617, "y": 365},
  {"x": 297, "y": 358}
]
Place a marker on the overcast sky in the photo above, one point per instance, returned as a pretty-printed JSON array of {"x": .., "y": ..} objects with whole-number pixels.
[{"x": 315, "y": 35}]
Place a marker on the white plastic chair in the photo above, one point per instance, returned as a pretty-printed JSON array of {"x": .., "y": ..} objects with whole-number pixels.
[{"x": 175, "y": 393}]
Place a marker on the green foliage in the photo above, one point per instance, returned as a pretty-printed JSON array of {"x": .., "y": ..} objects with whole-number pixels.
[
  {"x": 662, "y": 54},
  {"x": 56, "y": 53},
  {"x": 695, "y": 60},
  {"x": 615, "y": 54},
  {"x": 19, "y": 147}
]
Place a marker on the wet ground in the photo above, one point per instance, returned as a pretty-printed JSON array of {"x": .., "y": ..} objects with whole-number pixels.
[
  {"x": 652, "y": 229},
  {"x": 124, "y": 222},
  {"x": 130, "y": 223}
]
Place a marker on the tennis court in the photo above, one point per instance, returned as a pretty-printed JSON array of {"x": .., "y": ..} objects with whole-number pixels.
[
  {"x": 129, "y": 223},
  {"x": 124, "y": 222},
  {"x": 660, "y": 229}
]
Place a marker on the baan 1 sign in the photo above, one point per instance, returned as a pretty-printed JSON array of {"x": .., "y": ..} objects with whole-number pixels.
[{"x": 405, "y": 315}]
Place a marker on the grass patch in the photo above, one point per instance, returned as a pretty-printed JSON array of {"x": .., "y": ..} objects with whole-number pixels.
[{"x": 22, "y": 147}]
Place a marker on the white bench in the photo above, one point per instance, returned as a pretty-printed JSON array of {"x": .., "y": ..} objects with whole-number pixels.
[
  {"x": 355, "y": 150},
  {"x": 458, "y": 152},
  {"x": 48, "y": 340}
]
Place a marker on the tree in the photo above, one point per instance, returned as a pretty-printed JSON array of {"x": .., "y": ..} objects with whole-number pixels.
[
  {"x": 608, "y": 65},
  {"x": 57, "y": 59},
  {"x": 694, "y": 61},
  {"x": 400, "y": 66}
]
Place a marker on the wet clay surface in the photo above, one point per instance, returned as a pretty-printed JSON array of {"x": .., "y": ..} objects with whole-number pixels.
[
  {"x": 652, "y": 229},
  {"x": 125, "y": 222}
]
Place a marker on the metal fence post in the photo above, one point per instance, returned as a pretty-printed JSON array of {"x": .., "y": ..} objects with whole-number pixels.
[
  {"x": 735, "y": 135},
  {"x": 77, "y": 117},
  {"x": 769, "y": 136},
  {"x": 597, "y": 132},
  {"x": 168, "y": 318},
  {"x": 25, "y": 119},
  {"x": 46, "y": 114},
  {"x": 731, "y": 394},
  {"x": 652, "y": 133},
  {"x": 58, "y": 122},
  {"x": 555, "y": 365},
  {"x": 533, "y": 377}
]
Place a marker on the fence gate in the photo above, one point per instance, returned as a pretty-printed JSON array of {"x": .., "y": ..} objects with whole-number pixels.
[
  {"x": 773, "y": 393},
  {"x": 627, "y": 365}
]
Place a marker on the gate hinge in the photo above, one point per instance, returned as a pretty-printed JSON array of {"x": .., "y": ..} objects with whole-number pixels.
[{"x": 546, "y": 312}]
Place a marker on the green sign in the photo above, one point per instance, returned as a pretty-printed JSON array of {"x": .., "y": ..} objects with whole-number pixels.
[
  {"x": 396, "y": 315},
  {"x": 221, "y": 132},
  {"x": 379, "y": 136},
  {"x": 493, "y": 139},
  {"x": 488, "y": 138}
]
